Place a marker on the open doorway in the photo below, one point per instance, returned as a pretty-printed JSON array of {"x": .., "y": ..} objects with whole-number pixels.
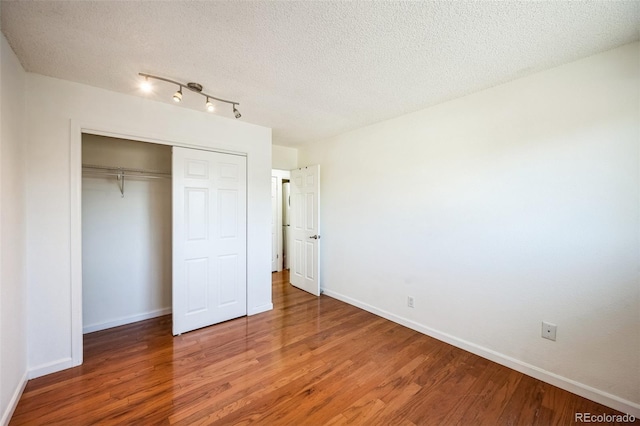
[{"x": 280, "y": 204}]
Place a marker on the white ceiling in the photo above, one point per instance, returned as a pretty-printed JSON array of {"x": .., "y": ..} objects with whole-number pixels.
[{"x": 311, "y": 69}]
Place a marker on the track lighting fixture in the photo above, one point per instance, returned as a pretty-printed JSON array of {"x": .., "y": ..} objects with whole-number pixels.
[
  {"x": 194, "y": 87},
  {"x": 209, "y": 105},
  {"x": 177, "y": 97}
]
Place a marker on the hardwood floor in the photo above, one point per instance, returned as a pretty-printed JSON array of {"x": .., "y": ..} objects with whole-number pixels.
[{"x": 310, "y": 361}]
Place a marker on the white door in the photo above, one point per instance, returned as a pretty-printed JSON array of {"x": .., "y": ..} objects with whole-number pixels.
[
  {"x": 305, "y": 229},
  {"x": 274, "y": 224},
  {"x": 209, "y": 238}
]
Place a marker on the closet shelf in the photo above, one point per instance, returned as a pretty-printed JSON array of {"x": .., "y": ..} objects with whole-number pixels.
[{"x": 121, "y": 172}]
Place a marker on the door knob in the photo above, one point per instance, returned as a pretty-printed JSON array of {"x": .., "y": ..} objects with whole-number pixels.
[{"x": 315, "y": 237}]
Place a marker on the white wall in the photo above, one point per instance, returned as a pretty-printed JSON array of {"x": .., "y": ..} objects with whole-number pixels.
[
  {"x": 284, "y": 158},
  {"x": 499, "y": 210},
  {"x": 58, "y": 111},
  {"x": 126, "y": 241},
  {"x": 13, "y": 281}
]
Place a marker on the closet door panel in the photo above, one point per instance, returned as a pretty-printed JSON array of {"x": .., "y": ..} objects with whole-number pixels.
[{"x": 209, "y": 238}]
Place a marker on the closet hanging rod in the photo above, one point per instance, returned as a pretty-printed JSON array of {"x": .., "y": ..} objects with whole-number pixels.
[
  {"x": 123, "y": 172},
  {"x": 118, "y": 171}
]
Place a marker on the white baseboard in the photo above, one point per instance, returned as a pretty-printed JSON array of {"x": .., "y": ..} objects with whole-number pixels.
[
  {"x": 50, "y": 367},
  {"x": 259, "y": 309},
  {"x": 569, "y": 385},
  {"x": 13, "y": 402},
  {"x": 125, "y": 320}
]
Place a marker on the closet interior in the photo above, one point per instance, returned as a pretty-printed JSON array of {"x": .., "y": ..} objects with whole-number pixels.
[{"x": 126, "y": 231}]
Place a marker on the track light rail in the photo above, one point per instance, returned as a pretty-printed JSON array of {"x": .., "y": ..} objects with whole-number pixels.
[{"x": 196, "y": 88}]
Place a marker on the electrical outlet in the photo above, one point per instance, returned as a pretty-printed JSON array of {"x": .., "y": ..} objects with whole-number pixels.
[
  {"x": 410, "y": 301},
  {"x": 549, "y": 330}
]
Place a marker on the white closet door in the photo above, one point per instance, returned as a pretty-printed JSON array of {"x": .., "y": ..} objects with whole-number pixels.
[{"x": 209, "y": 238}]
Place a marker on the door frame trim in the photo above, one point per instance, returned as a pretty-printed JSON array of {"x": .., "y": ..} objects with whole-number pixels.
[{"x": 77, "y": 128}]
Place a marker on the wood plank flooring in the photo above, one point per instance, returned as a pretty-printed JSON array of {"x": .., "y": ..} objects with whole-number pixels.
[{"x": 310, "y": 361}]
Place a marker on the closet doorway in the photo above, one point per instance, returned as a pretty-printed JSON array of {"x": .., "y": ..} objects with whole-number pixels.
[{"x": 163, "y": 231}]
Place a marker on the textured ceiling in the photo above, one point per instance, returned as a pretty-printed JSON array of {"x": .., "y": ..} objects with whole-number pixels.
[{"x": 311, "y": 69}]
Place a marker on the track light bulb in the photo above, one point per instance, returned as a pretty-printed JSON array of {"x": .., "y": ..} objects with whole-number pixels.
[
  {"x": 236, "y": 112},
  {"x": 177, "y": 97},
  {"x": 209, "y": 105},
  {"x": 146, "y": 85}
]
